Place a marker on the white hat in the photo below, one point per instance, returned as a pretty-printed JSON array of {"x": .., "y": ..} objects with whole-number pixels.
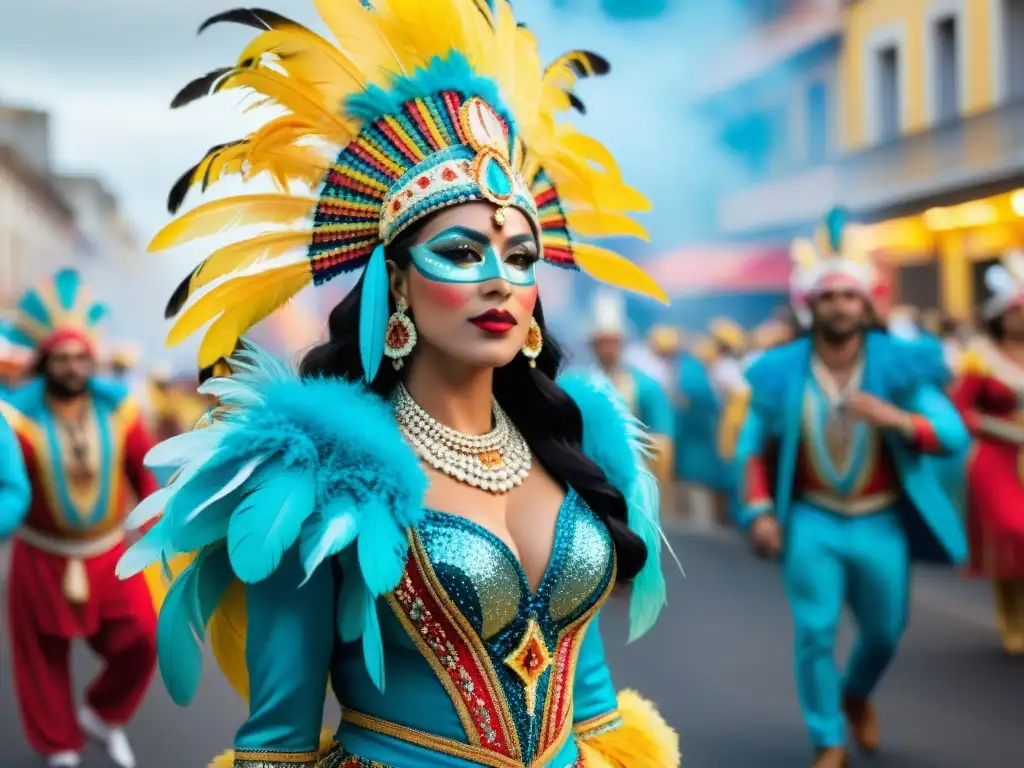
[
  {"x": 832, "y": 261},
  {"x": 608, "y": 314},
  {"x": 1006, "y": 283}
]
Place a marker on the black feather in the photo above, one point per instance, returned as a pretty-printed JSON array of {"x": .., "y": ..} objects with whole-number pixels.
[
  {"x": 180, "y": 295},
  {"x": 578, "y": 105},
  {"x": 181, "y": 187},
  {"x": 200, "y": 87},
  {"x": 258, "y": 18},
  {"x": 595, "y": 64}
]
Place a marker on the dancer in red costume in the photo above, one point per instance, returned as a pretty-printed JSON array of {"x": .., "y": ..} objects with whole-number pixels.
[
  {"x": 83, "y": 443},
  {"x": 990, "y": 395}
]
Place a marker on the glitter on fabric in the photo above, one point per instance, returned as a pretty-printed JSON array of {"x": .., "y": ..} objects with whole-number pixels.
[{"x": 471, "y": 564}]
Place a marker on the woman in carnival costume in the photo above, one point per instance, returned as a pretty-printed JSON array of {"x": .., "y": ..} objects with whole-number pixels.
[
  {"x": 988, "y": 393},
  {"x": 312, "y": 505}
]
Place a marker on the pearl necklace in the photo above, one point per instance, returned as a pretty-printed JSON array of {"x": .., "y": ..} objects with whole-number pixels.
[{"x": 496, "y": 462}]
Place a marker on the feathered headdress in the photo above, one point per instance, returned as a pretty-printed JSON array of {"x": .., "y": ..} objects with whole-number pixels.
[
  {"x": 831, "y": 260},
  {"x": 59, "y": 309},
  {"x": 414, "y": 107},
  {"x": 1006, "y": 284}
]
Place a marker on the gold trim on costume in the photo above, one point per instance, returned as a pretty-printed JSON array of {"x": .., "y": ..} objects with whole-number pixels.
[
  {"x": 548, "y": 726},
  {"x": 595, "y": 726},
  {"x": 450, "y": 747},
  {"x": 253, "y": 758},
  {"x": 421, "y": 561}
]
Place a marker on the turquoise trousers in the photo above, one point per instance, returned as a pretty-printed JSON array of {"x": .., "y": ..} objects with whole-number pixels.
[{"x": 832, "y": 561}]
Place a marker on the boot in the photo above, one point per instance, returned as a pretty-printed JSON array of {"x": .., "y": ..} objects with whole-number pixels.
[
  {"x": 831, "y": 757},
  {"x": 863, "y": 722},
  {"x": 112, "y": 737}
]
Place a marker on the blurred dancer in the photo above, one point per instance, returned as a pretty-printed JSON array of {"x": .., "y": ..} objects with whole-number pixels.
[
  {"x": 988, "y": 393},
  {"x": 733, "y": 394},
  {"x": 642, "y": 394},
  {"x": 83, "y": 443},
  {"x": 832, "y": 481},
  {"x": 698, "y": 467}
]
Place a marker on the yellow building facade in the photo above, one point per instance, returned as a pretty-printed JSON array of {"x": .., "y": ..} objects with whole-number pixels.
[{"x": 928, "y": 95}]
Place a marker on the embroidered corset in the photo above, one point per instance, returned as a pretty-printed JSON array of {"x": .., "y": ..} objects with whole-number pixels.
[
  {"x": 479, "y": 669},
  {"x": 843, "y": 467}
]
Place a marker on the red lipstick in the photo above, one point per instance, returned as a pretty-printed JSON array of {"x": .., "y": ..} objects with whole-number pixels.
[{"x": 494, "y": 321}]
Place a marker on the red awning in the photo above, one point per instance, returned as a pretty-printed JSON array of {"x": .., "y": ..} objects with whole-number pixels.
[{"x": 722, "y": 269}]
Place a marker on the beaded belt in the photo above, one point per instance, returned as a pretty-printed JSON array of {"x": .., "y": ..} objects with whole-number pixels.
[
  {"x": 339, "y": 758},
  {"x": 439, "y": 744}
]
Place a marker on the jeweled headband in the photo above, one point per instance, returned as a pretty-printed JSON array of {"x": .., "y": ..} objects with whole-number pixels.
[{"x": 414, "y": 108}]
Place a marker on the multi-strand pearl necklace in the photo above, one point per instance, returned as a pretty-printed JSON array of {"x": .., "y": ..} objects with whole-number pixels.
[{"x": 496, "y": 462}]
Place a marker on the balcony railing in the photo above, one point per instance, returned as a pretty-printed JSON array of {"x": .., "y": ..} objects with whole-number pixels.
[
  {"x": 986, "y": 149},
  {"x": 981, "y": 149}
]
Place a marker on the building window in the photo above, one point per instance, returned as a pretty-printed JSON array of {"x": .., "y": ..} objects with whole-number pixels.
[
  {"x": 887, "y": 66},
  {"x": 946, "y": 81},
  {"x": 817, "y": 127},
  {"x": 1013, "y": 47}
]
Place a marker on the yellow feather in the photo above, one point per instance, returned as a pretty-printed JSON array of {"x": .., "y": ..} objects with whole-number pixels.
[
  {"x": 247, "y": 253},
  {"x": 604, "y": 224},
  {"x": 295, "y": 96},
  {"x": 803, "y": 253},
  {"x": 358, "y": 33},
  {"x": 219, "y": 215},
  {"x": 601, "y": 264},
  {"x": 222, "y": 297},
  {"x": 227, "y": 638},
  {"x": 305, "y": 55},
  {"x": 588, "y": 148},
  {"x": 260, "y": 296}
]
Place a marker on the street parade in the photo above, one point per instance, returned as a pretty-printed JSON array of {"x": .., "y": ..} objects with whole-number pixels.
[{"x": 568, "y": 384}]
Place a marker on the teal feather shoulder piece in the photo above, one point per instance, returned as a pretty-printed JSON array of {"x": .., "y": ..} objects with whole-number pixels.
[
  {"x": 315, "y": 465},
  {"x": 616, "y": 441}
]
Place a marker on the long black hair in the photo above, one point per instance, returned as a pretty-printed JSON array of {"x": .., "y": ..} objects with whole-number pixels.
[{"x": 545, "y": 415}]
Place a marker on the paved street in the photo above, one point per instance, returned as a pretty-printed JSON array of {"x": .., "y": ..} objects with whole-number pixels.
[{"x": 719, "y": 666}]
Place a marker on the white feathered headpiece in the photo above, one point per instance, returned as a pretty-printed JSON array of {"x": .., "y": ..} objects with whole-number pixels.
[
  {"x": 1006, "y": 284},
  {"x": 828, "y": 262}
]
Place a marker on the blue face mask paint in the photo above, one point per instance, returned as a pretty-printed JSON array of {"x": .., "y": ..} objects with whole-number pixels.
[{"x": 461, "y": 255}]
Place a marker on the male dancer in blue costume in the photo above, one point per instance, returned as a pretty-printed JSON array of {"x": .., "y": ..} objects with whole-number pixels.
[{"x": 833, "y": 478}]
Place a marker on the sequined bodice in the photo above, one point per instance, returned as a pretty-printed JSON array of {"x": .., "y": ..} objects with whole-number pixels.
[{"x": 504, "y": 654}]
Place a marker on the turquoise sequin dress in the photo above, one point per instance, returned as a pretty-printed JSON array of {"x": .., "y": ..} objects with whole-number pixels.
[{"x": 424, "y": 624}]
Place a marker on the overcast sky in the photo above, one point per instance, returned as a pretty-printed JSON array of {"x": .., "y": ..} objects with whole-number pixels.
[{"x": 107, "y": 70}]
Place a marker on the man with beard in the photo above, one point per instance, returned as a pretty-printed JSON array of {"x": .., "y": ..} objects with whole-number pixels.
[
  {"x": 833, "y": 480},
  {"x": 83, "y": 443}
]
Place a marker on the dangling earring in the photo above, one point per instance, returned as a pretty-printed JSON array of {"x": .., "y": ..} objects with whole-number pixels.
[
  {"x": 534, "y": 343},
  {"x": 400, "y": 335}
]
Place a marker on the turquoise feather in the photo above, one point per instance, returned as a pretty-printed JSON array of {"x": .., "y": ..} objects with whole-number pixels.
[
  {"x": 181, "y": 663},
  {"x": 351, "y": 601},
  {"x": 383, "y": 547},
  {"x": 615, "y": 440},
  {"x": 327, "y": 533},
  {"x": 208, "y": 486},
  {"x": 373, "y": 314},
  {"x": 144, "y": 552},
  {"x": 268, "y": 522},
  {"x": 67, "y": 283},
  {"x": 33, "y": 306},
  {"x": 835, "y": 223},
  {"x": 213, "y": 576},
  {"x": 149, "y": 508},
  {"x": 15, "y": 335},
  {"x": 373, "y": 643},
  {"x": 96, "y": 313}
]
